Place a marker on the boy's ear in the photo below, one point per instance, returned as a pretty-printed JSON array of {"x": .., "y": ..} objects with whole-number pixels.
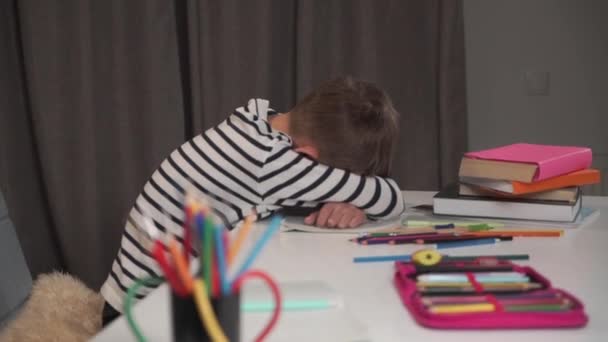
[{"x": 308, "y": 150}]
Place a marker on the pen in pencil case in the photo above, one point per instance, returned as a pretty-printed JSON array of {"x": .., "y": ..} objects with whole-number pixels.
[
  {"x": 479, "y": 276},
  {"x": 451, "y": 267},
  {"x": 512, "y": 301},
  {"x": 487, "y": 288},
  {"x": 490, "y": 307}
]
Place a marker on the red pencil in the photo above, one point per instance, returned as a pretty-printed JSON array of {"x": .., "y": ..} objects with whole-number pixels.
[
  {"x": 158, "y": 252},
  {"x": 215, "y": 277}
]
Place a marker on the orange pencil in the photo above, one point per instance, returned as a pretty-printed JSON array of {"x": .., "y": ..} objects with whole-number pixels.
[
  {"x": 236, "y": 245},
  {"x": 181, "y": 265}
]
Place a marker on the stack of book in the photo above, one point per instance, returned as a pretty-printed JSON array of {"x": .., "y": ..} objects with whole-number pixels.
[{"x": 520, "y": 181}]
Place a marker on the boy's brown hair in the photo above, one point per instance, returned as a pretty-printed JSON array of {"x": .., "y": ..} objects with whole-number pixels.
[{"x": 352, "y": 124}]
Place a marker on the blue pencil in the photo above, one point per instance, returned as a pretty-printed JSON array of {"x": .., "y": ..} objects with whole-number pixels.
[
  {"x": 275, "y": 224},
  {"x": 466, "y": 243},
  {"x": 221, "y": 259},
  {"x": 382, "y": 258}
]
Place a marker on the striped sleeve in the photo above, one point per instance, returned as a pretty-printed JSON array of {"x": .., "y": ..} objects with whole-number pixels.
[{"x": 288, "y": 176}]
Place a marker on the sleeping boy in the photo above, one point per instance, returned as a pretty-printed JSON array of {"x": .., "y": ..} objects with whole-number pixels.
[{"x": 331, "y": 153}]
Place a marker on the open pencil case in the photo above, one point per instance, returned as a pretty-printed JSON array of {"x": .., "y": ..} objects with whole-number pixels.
[{"x": 500, "y": 316}]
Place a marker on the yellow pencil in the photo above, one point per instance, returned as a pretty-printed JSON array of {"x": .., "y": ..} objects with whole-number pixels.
[
  {"x": 236, "y": 245},
  {"x": 462, "y": 308}
]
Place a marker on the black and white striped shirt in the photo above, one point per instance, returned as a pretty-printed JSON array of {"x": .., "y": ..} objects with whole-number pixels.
[{"x": 239, "y": 166}]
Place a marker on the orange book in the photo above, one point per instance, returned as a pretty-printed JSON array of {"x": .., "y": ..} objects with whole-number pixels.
[{"x": 577, "y": 178}]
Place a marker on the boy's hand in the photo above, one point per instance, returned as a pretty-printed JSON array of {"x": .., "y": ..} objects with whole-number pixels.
[{"x": 337, "y": 215}]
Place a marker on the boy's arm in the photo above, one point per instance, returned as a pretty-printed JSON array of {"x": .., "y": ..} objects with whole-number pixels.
[{"x": 287, "y": 176}]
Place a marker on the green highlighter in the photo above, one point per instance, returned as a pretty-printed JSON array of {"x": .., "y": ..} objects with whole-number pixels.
[{"x": 297, "y": 296}]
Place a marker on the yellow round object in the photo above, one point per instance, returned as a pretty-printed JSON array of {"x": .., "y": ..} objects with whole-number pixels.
[{"x": 426, "y": 257}]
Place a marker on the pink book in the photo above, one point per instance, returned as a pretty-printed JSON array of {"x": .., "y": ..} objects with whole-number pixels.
[{"x": 552, "y": 161}]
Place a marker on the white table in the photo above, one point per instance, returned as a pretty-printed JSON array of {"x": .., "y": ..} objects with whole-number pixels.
[{"x": 575, "y": 262}]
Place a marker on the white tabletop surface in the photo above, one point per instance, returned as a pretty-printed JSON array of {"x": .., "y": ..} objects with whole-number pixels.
[{"x": 575, "y": 262}]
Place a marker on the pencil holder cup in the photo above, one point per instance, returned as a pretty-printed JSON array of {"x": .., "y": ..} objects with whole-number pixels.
[{"x": 187, "y": 324}]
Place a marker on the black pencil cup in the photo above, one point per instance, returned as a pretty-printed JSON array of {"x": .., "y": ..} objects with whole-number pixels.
[{"x": 188, "y": 327}]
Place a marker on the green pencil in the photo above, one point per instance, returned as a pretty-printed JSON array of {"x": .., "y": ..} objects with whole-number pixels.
[
  {"x": 537, "y": 307},
  {"x": 208, "y": 250}
]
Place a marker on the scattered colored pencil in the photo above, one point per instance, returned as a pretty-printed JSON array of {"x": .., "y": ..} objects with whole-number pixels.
[
  {"x": 236, "y": 246},
  {"x": 181, "y": 265},
  {"x": 407, "y": 258},
  {"x": 275, "y": 224},
  {"x": 208, "y": 253},
  {"x": 221, "y": 259}
]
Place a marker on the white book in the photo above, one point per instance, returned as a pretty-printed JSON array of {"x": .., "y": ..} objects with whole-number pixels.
[{"x": 449, "y": 202}]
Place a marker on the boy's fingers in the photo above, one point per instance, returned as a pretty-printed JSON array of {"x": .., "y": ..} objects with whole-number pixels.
[
  {"x": 310, "y": 219},
  {"x": 324, "y": 214},
  {"x": 346, "y": 218},
  {"x": 336, "y": 215},
  {"x": 358, "y": 220}
]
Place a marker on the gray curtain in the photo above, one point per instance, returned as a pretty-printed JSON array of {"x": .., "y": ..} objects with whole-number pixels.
[
  {"x": 96, "y": 106},
  {"x": 282, "y": 49},
  {"x": 100, "y": 91}
]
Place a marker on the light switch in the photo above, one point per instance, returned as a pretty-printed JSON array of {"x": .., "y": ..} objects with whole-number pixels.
[{"x": 537, "y": 83}]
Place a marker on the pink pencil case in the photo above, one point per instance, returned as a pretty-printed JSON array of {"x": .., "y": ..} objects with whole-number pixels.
[{"x": 405, "y": 283}]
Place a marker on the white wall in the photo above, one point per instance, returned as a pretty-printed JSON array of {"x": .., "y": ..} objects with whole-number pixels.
[{"x": 568, "y": 39}]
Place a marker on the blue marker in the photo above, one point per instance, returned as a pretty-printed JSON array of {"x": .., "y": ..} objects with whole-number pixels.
[{"x": 466, "y": 243}]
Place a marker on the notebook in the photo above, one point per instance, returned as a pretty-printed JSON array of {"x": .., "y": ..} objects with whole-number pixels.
[{"x": 292, "y": 223}]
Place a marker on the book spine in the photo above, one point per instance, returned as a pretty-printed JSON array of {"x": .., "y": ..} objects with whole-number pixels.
[{"x": 571, "y": 162}]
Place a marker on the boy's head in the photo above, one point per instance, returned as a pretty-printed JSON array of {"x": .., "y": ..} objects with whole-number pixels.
[{"x": 349, "y": 124}]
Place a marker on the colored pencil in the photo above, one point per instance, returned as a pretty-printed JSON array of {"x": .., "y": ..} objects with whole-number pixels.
[
  {"x": 520, "y": 233},
  {"x": 486, "y": 287},
  {"x": 385, "y": 239},
  {"x": 275, "y": 224},
  {"x": 416, "y": 223},
  {"x": 437, "y": 239},
  {"x": 538, "y": 307},
  {"x": 462, "y": 308},
  {"x": 236, "y": 245},
  {"x": 492, "y": 277},
  {"x": 447, "y": 267},
  {"x": 158, "y": 252},
  {"x": 537, "y": 295},
  {"x": 187, "y": 233},
  {"x": 215, "y": 278},
  {"x": 498, "y": 257},
  {"x": 208, "y": 252},
  {"x": 521, "y": 301},
  {"x": 486, "y": 283},
  {"x": 221, "y": 259},
  {"x": 181, "y": 265},
  {"x": 407, "y": 258}
]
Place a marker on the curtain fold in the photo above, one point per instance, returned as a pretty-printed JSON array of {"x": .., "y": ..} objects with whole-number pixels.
[
  {"x": 101, "y": 91},
  {"x": 102, "y": 83},
  {"x": 239, "y": 50}
]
